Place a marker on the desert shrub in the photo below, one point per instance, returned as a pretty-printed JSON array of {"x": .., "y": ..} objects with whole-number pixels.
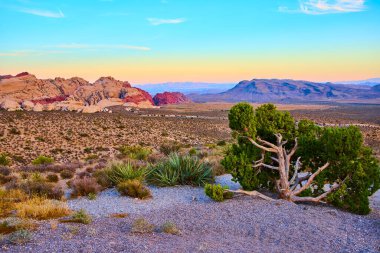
[
  {"x": 217, "y": 192},
  {"x": 180, "y": 170},
  {"x": 5, "y": 171},
  {"x": 84, "y": 186},
  {"x": 80, "y": 216},
  {"x": 133, "y": 188},
  {"x": 91, "y": 196},
  {"x": 55, "y": 168},
  {"x": 15, "y": 131},
  {"x": 135, "y": 152},
  {"x": 4, "y": 160},
  {"x": 42, "y": 189},
  {"x": 352, "y": 164},
  {"x": 8, "y": 199},
  {"x": 20, "y": 237},
  {"x": 42, "y": 160},
  {"x": 42, "y": 209},
  {"x": 12, "y": 224},
  {"x": 142, "y": 226},
  {"x": 192, "y": 152},
  {"x": 170, "y": 228},
  {"x": 91, "y": 157},
  {"x": 169, "y": 148},
  {"x": 7, "y": 179},
  {"x": 37, "y": 177},
  {"x": 52, "y": 178},
  {"x": 221, "y": 143},
  {"x": 66, "y": 174},
  {"x": 121, "y": 171},
  {"x": 102, "y": 178}
]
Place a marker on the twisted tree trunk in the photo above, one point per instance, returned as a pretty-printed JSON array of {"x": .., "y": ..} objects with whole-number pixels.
[{"x": 286, "y": 187}]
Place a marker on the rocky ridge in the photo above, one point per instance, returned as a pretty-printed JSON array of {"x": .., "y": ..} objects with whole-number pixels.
[{"x": 26, "y": 92}]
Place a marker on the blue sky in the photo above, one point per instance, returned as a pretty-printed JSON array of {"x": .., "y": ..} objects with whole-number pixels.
[{"x": 191, "y": 40}]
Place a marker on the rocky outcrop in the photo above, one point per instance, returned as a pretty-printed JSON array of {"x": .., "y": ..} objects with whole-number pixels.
[
  {"x": 27, "y": 91},
  {"x": 167, "y": 98}
]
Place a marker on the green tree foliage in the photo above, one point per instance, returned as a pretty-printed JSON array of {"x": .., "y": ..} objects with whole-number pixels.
[{"x": 350, "y": 161}]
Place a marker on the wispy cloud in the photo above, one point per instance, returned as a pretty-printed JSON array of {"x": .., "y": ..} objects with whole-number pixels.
[
  {"x": 19, "y": 53},
  {"x": 91, "y": 46},
  {"x": 318, "y": 7},
  {"x": 159, "y": 21},
  {"x": 44, "y": 13}
]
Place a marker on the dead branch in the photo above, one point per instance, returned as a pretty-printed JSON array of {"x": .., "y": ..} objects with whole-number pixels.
[{"x": 251, "y": 193}]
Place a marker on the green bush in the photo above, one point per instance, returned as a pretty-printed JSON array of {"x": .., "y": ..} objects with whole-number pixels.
[
  {"x": 120, "y": 171},
  {"x": 180, "y": 170},
  {"x": 133, "y": 188},
  {"x": 80, "y": 216},
  {"x": 192, "y": 152},
  {"x": 4, "y": 160},
  {"x": 217, "y": 192},
  {"x": 135, "y": 152},
  {"x": 20, "y": 237},
  {"x": 42, "y": 160},
  {"x": 350, "y": 161}
]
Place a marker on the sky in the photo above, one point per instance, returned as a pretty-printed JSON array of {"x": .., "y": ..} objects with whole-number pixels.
[{"x": 153, "y": 41}]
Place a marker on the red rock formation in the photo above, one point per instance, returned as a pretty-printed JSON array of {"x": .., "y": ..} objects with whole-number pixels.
[
  {"x": 170, "y": 98},
  {"x": 138, "y": 96}
]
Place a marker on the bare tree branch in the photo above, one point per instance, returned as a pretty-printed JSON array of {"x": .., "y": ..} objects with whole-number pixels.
[
  {"x": 265, "y": 165},
  {"x": 291, "y": 153},
  {"x": 318, "y": 198},
  {"x": 311, "y": 178},
  {"x": 251, "y": 193},
  {"x": 272, "y": 150}
]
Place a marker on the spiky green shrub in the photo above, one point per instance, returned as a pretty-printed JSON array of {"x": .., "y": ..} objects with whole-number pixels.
[
  {"x": 122, "y": 171},
  {"x": 133, "y": 188},
  {"x": 41, "y": 160},
  {"x": 180, "y": 170},
  {"x": 135, "y": 152},
  {"x": 217, "y": 192}
]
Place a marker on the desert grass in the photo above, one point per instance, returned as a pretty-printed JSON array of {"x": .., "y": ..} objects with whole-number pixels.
[{"x": 42, "y": 209}]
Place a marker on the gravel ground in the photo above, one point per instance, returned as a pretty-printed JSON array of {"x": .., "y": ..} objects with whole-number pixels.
[{"x": 242, "y": 224}]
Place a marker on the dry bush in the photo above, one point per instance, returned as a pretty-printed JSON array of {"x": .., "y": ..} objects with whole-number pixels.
[
  {"x": 8, "y": 199},
  {"x": 66, "y": 174},
  {"x": 142, "y": 226},
  {"x": 170, "y": 228},
  {"x": 84, "y": 186},
  {"x": 42, "y": 209},
  {"x": 12, "y": 224},
  {"x": 5, "y": 171},
  {"x": 55, "y": 168},
  {"x": 42, "y": 189},
  {"x": 53, "y": 178},
  {"x": 102, "y": 178},
  {"x": 134, "y": 188}
]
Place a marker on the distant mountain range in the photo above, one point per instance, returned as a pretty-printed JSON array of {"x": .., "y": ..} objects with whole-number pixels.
[
  {"x": 290, "y": 91},
  {"x": 368, "y": 82},
  {"x": 186, "y": 87}
]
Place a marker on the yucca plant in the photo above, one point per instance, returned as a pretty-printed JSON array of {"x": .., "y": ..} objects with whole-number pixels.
[
  {"x": 180, "y": 170},
  {"x": 122, "y": 171}
]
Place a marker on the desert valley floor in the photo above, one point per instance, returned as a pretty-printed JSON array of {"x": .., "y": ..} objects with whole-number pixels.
[{"x": 243, "y": 224}]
